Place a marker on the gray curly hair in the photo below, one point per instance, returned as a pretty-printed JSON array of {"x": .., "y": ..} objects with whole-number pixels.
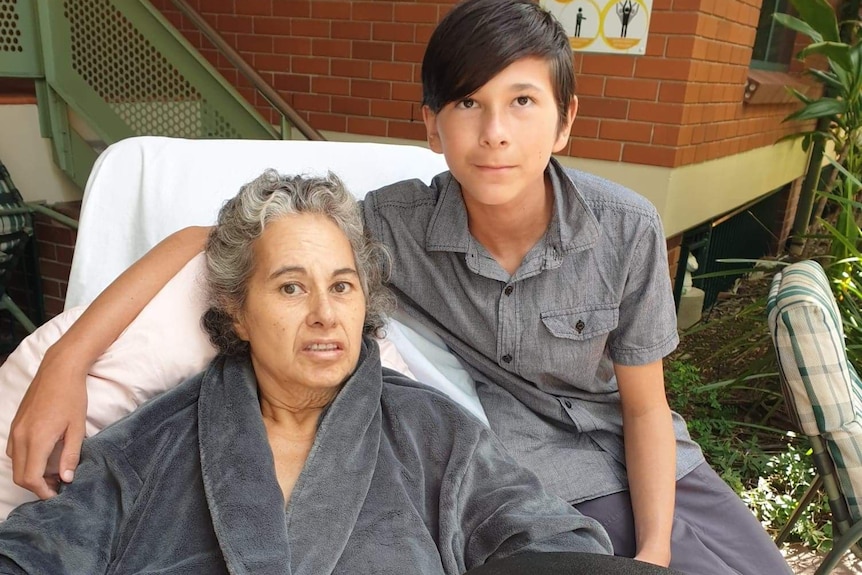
[{"x": 241, "y": 221}]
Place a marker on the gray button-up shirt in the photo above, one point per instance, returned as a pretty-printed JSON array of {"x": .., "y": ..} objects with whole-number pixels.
[{"x": 541, "y": 343}]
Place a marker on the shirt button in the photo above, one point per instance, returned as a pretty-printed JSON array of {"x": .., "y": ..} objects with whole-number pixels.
[
  {"x": 568, "y": 404},
  {"x": 507, "y": 358},
  {"x": 508, "y": 290}
]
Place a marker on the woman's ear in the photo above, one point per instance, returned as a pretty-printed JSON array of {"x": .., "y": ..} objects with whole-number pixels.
[
  {"x": 239, "y": 325},
  {"x": 430, "y": 119}
]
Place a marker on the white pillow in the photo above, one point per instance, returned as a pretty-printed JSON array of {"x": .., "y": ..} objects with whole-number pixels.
[{"x": 163, "y": 346}]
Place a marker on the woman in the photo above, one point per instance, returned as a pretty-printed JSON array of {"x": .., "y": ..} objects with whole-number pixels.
[{"x": 374, "y": 472}]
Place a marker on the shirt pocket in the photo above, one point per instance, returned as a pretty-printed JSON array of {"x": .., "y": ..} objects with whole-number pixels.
[{"x": 583, "y": 323}]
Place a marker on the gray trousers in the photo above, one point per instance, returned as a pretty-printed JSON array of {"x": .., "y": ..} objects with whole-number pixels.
[{"x": 714, "y": 533}]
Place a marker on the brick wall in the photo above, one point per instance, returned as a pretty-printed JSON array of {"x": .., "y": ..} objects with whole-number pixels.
[{"x": 354, "y": 66}]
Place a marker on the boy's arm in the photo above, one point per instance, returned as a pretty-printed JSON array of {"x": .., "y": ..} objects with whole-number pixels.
[
  {"x": 650, "y": 450},
  {"x": 54, "y": 408}
]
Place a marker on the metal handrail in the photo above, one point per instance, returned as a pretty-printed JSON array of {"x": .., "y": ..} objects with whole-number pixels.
[{"x": 261, "y": 85}]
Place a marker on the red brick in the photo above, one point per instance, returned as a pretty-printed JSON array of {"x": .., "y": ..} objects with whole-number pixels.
[
  {"x": 590, "y": 86},
  {"x": 371, "y": 89},
  {"x": 679, "y": 47},
  {"x": 655, "y": 112},
  {"x": 409, "y": 53},
  {"x": 55, "y": 270},
  {"x": 311, "y": 66},
  {"x": 369, "y": 126},
  {"x": 292, "y": 83},
  {"x": 585, "y": 127},
  {"x": 328, "y": 122},
  {"x": 350, "y": 68},
  {"x": 293, "y": 8},
  {"x": 292, "y": 46},
  {"x": 392, "y": 71},
  {"x": 254, "y": 43},
  {"x": 351, "y": 106},
  {"x": 630, "y": 88},
  {"x": 608, "y": 65},
  {"x": 337, "y": 86},
  {"x": 372, "y": 51},
  {"x": 310, "y": 28},
  {"x": 603, "y": 107},
  {"x": 272, "y": 62},
  {"x": 332, "y": 48},
  {"x": 312, "y": 103},
  {"x": 351, "y": 30},
  {"x": 407, "y": 130},
  {"x": 666, "y": 135},
  {"x": 674, "y": 23},
  {"x": 662, "y": 69},
  {"x": 406, "y": 92},
  {"x": 254, "y": 7},
  {"x": 625, "y": 131},
  {"x": 393, "y": 32},
  {"x": 395, "y": 110},
  {"x": 53, "y": 307},
  {"x": 373, "y": 11},
  {"x": 595, "y": 149},
  {"x": 328, "y": 10},
  {"x": 423, "y": 33},
  {"x": 231, "y": 23},
  {"x": 418, "y": 13},
  {"x": 678, "y": 92},
  {"x": 47, "y": 251},
  {"x": 649, "y": 155}
]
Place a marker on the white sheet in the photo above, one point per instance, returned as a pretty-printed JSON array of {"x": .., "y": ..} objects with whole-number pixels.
[{"x": 143, "y": 189}]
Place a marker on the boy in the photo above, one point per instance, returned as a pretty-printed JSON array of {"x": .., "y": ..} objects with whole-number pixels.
[{"x": 550, "y": 285}]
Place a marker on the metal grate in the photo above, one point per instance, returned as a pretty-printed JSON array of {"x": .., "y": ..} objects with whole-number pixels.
[
  {"x": 10, "y": 34},
  {"x": 139, "y": 84}
]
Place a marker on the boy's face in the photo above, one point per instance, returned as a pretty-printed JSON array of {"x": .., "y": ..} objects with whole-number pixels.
[{"x": 498, "y": 140}]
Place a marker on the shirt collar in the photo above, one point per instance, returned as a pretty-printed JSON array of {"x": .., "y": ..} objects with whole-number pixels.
[{"x": 573, "y": 227}]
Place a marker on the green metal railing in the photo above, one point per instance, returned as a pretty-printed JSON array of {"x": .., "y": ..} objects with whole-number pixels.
[{"x": 124, "y": 70}]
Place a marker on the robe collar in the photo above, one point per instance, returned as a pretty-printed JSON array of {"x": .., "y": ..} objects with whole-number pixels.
[{"x": 257, "y": 535}]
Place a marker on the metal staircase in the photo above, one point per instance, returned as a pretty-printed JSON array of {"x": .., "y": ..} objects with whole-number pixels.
[{"x": 110, "y": 69}]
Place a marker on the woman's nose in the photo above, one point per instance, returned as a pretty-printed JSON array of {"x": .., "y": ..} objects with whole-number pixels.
[{"x": 322, "y": 312}]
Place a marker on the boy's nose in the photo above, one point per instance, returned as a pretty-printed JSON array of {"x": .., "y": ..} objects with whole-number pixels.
[{"x": 494, "y": 133}]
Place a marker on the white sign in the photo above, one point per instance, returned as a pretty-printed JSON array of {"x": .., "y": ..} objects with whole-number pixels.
[{"x": 609, "y": 26}]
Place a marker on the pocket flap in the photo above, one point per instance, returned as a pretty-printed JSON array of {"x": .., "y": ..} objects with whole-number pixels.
[{"x": 581, "y": 323}]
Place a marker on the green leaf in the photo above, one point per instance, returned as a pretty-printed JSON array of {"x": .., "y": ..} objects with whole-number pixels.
[
  {"x": 819, "y": 15},
  {"x": 825, "y": 78},
  {"x": 838, "y": 52},
  {"x": 822, "y": 108},
  {"x": 798, "y": 25}
]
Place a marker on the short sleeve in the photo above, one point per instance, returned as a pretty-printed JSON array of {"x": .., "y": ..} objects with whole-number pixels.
[
  {"x": 646, "y": 331},
  {"x": 76, "y": 531},
  {"x": 503, "y": 510}
]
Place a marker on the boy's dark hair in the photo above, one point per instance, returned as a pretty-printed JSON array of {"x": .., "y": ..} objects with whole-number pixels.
[{"x": 479, "y": 38}]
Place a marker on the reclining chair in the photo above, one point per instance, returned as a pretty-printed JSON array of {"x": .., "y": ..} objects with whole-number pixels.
[{"x": 824, "y": 397}]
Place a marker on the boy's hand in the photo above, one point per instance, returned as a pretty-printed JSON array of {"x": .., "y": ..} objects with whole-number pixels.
[{"x": 53, "y": 410}]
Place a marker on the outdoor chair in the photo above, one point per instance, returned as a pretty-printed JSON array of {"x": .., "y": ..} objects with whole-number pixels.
[
  {"x": 16, "y": 234},
  {"x": 824, "y": 397}
]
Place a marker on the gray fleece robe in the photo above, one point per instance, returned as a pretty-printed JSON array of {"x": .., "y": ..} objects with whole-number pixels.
[{"x": 399, "y": 480}]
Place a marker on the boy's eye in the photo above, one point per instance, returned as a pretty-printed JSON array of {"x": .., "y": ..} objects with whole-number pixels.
[{"x": 466, "y": 103}]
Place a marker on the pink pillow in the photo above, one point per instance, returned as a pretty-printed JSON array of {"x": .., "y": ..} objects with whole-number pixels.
[{"x": 161, "y": 348}]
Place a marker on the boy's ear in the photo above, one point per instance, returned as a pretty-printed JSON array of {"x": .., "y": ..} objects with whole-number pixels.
[
  {"x": 566, "y": 129},
  {"x": 430, "y": 119}
]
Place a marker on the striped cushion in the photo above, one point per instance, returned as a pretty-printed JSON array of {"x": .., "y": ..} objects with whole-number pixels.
[{"x": 821, "y": 384}]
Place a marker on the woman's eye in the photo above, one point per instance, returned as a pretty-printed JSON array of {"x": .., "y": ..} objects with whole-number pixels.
[
  {"x": 341, "y": 287},
  {"x": 290, "y": 289},
  {"x": 523, "y": 100}
]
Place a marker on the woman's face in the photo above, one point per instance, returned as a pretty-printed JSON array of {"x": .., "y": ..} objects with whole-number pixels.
[{"x": 305, "y": 309}]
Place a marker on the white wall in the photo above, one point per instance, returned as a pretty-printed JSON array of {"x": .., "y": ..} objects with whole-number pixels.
[{"x": 27, "y": 156}]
